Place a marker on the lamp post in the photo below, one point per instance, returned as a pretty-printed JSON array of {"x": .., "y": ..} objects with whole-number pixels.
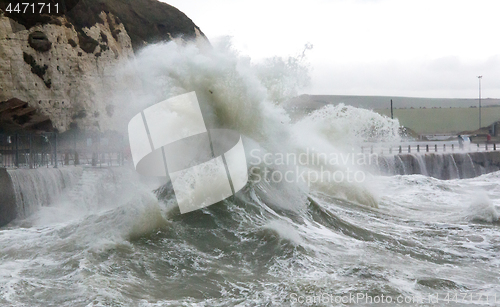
[
  {"x": 392, "y": 114},
  {"x": 479, "y": 77}
]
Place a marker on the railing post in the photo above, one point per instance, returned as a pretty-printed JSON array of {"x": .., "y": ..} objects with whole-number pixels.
[
  {"x": 418, "y": 148},
  {"x": 409, "y": 148},
  {"x": 494, "y": 146},
  {"x": 452, "y": 147},
  {"x": 400, "y": 149},
  {"x": 17, "y": 151},
  {"x": 32, "y": 162},
  {"x": 55, "y": 150},
  {"x": 43, "y": 154},
  {"x": 444, "y": 147},
  {"x": 486, "y": 146},
  {"x": 427, "y": 148}
]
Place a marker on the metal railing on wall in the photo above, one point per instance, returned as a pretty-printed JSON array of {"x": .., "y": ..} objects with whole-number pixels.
[
  {"x": 52, "y": 150},
  {"x": 429, "y": 148}
]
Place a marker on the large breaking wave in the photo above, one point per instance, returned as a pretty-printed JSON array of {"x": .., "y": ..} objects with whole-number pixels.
[{"x": 110, "y": 240}]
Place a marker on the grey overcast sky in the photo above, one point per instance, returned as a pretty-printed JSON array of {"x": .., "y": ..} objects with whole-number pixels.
[{"x": 420, "y": 48}]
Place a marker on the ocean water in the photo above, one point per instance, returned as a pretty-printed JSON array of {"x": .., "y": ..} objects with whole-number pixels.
[{"x": 114, "y": 238}]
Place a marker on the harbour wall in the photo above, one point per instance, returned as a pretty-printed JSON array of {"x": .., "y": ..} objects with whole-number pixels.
[
  {"x": 23, "y": 191},
  {"x": 440, "y": 165}
]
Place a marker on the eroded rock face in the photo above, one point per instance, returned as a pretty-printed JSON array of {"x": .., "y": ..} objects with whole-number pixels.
[
  {"x": 64, "y": 66},
  {"x": 60, "y": 71}
]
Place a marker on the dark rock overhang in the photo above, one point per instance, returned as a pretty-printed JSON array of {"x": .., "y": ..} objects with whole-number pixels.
[
  {"x": 16, "y": 116},
  {"x": 146, "y": 21}
]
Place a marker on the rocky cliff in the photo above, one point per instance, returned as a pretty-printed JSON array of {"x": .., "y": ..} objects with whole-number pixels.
[{"x": 63, "y": 64}]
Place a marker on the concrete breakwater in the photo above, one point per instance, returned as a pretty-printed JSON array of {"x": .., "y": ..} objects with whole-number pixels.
[
  {"x": 440, "y": 165},
  {"x": 22, "y": 191}
]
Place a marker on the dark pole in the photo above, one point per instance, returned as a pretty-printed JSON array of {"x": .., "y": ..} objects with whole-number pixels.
[
  {"x": 43, "y": 152},
  {"x": 392, "y": 114},
  {"x": 17, "y": 150},
  {"x": 32, "y": 164},
  {"x": 479, "y": 77},
  {"x": 55, "y": 149}
]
